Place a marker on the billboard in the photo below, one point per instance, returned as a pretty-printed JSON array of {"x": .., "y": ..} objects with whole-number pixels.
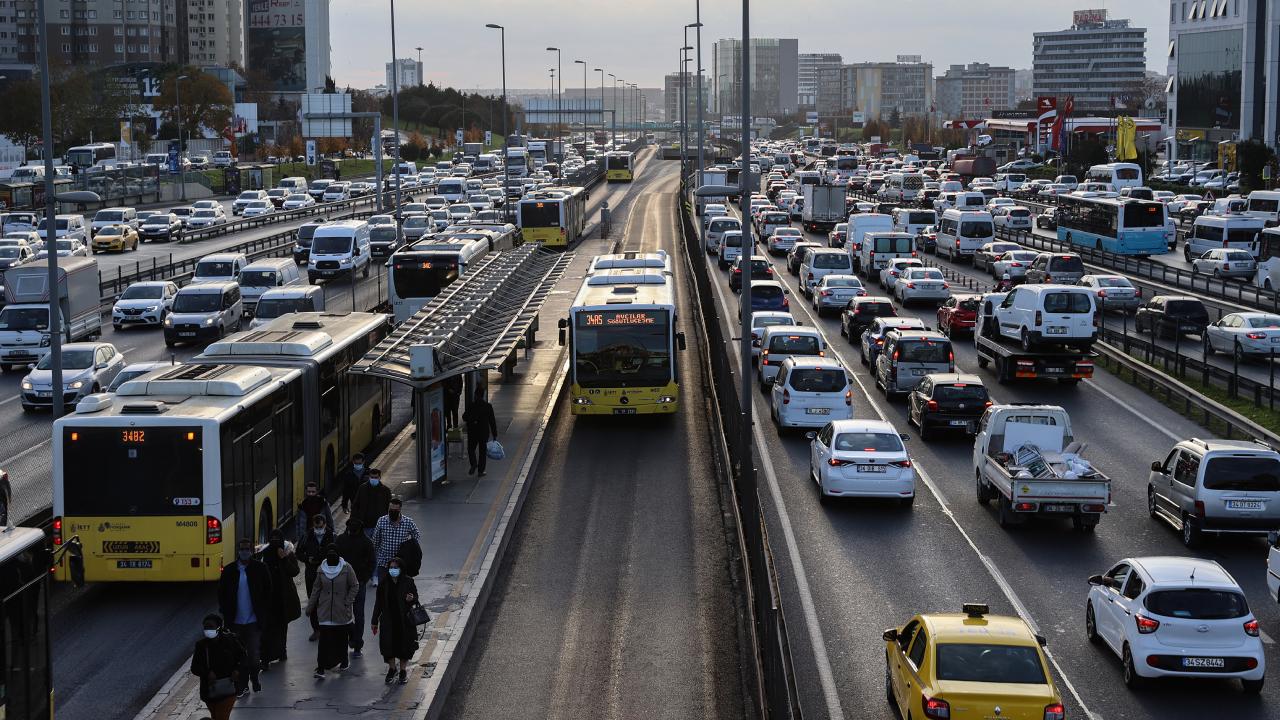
[
  {"x": 1089, "y": 17},
  {"x": 326, "y": 104},
  {"x": 276, "y": 42}
]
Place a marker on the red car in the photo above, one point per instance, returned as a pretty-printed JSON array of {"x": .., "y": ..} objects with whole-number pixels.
[{"x": 958, "y": 313}]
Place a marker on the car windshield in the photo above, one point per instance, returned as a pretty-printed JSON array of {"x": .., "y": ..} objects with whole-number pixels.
[
  {"x": 249, "y": 195},
  {"x": 382, "y": 234},
  {"x": 24, "y": 318},
  {"x": 868, "y": 442},
  {"x": 1114, "y": 282},
  {"x": 109, "y": 216},
  {"x": 297, "y": 197},
  {"x": 924, "y": 351},
  {"x": 258, "y": 278},
  {"x": 205, "y": 213},
  {"x": 330, "y": 245},
  {"x": 1067, "y": 302},
  {"x": 924, "y": 274},
  {"x": 830, "y": 261},
  {"x": 275, "y": 307},
  {"x": 769, "y": 321},
  {"x": 876, "y": 309},
  {"x": 214, "y": 268},
  {"x": 973, "y": 662},
  {"x": 197, "y": 302},
  {"x": 818, "y": 380},
  {"x": 1250, "y": 473},
  {"x": 143, "y": 292},
  {"x": 67, "y": 244},
  {"x": 1197, "y": 604},
  {"x": 71, "y": 360},
  {"x": 10, "y": 253},
  {"x": 417, "y": 221}
]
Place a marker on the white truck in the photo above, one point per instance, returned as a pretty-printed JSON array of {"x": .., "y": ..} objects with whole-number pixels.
[
  {"x": 1027, "y": 460},
  {"x": 24, "y": 321},
  {"x": 711, "y": 177},
  {"x": 824, "y": 206}
]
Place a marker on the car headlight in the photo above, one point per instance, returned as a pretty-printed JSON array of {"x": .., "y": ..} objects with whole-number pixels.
[
  {"x": 152, "y": 308},
  {"x": 76, "y": 385},
  {"x": 208, "y": 321},
  {"x": 168, "y": 321},
  {"x": 44, "y": 341},
  {"x": 26, "y": 385}
]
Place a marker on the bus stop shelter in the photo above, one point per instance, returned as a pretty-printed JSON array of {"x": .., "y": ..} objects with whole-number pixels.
[{"x": 476, "y": 324}]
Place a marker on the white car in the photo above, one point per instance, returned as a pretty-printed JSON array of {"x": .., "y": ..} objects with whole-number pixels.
[
  {"x": 782, "y": 240},
  {"x": 143, "y": 303},
  {"x": 1247, "y": 334},
  {"x": 247, "y": 197},
  {"x": 810, "y": 392},
  {"x": 257, "y": 208},
  {"x": 297, "y": 200},
  {"x": 924, "y": 284},
  {"x": 861, "y": 459},
  {"x": 1175, "y": 617},
  {"x": 66, "y": 248},
  {"x": 1054, "y": 189},
  {"x": 762, "y": 319},
  {"x": 336, "y": 191},
  {"x": 1012, "y": 217},
  {"x": 994, "y": 203},
  {"x": 890, "y": 273},
  {"x": 1113, "y": 292},
  {"x": 1014, "y": 263}
]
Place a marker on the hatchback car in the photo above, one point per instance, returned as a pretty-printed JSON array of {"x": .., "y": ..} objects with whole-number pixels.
[
  {"x": 1244, "y": 335},
  {"x": 861, "y": 459},
  {"x": 782, "y": 240},
  {"x": 889, "y": 274},
  {"x": 1170, "y": 315},
  {"x": 810, "y": 392},
  {"x": 796, "y": 256},
  {"x": 779, "y": 342},
  {"x": 1226, "y": 263},
  {"x": 958, "y": 313},
  {"x": 87, "y": 367},
  {"x": 1060, "y": 268},
  {"x": 1014, "y": 264},
  {"x": 768, "y": 295},
  {"x": 872, "y": 339},
  {"x": 1175, "y": 617},
  {"x": 947, "y": 401},
  {"x": 760, "y": 270},
  {"x": 860, "y": 312}
]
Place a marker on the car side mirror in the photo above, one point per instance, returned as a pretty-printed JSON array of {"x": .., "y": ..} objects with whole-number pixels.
[
  {"x": 811, "y": 435},
  {"x": 1042, "y": 640},
  {"x": 1157, "y": 466},
  {"x": 1098, "y": 580},
  {"x": 890, "y": 635}
]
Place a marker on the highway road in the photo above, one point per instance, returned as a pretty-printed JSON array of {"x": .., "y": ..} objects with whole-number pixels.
[
  {"x": 850, "y": 570},
  {"x": 615, "y": 600}
]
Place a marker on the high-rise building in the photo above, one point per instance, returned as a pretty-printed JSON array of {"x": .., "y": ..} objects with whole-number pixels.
[
  {"x": 288, "y": 40},
  {"x": 974, "y": 90},
  {"x": 410, "y": 73},
  {"x": 879, "y": 90},
  {"x": 813, "y": 67},
  {"x": 774, "y": 72},
  {"x": 672, "y": 87},
  {"x": 1095, "y": 61},
  {"x": 214, "y": 31},
  {"x": 93, "y": 34}
]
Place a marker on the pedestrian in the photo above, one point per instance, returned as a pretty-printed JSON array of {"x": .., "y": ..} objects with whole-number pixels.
[
  {"x": 244, "y": 595},
  {"x": 350, "y": 478},
  {"x": 392, "y": 531},
  {"x": 217, "y": 659},
  {"x": 481, "y": 426},
  {"x": 311, "y": 553},
  {"x": 331, "y": 602},
  {"x": 370, "y": 502},
  {"x": 283, "y": 606},
  {"x": 397, "y": 594},
  {"x": 313, "y": 503},
  {"x": 452, "y": 397},
  {"x": 357, "y": 549}
]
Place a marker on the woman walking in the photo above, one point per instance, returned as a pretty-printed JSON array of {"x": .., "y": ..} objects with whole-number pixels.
[
  {"x": 332, "y": 598},
  {"x": 283, "y": 606},
  {"x": 216, "y": 661},
  {"x": 397, "y": 595}
]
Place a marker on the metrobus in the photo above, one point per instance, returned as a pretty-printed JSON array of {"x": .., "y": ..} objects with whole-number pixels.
[
  {"x": 617, "y": 166},
  {"x": 26, "y": 692},
  {"x": 623, "y": 342},
  {"x": 1118, "y": 225},
  {"x": 1118, "y": 175},
  {"x": 554, "y": 216},
  {"x": 87, "y": 156},
  {"x": 423, "y": 269},
  {"x": 160, "y": 479}
]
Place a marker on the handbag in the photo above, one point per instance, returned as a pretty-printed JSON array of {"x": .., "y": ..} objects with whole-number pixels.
[
  {"x": 418, "y": 615},
  {"x": 494, "y": 450},
  {"x": 220, "y": 688}
]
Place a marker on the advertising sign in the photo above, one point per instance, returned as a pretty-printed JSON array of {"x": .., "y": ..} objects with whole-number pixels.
[
  {"x": 439, "y": 448},
  {"x": 1089, "y": 17},
  {"x": 859, "y": 117},
  {"x": 458, "y": 136},
  {"x": 173, "y": 159},
  {"x": 276, "y": 42},
  {"x": 311, "y": 152}
]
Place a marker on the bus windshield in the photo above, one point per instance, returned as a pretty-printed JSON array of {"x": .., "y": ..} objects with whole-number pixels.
[
  {"x": 153, "y": 471},
  {"x": 618, "y": 162},
  {"x": 1143, "y": 215},
  {"x": 423, "y": 277},
  {"x": 539, "y": 214},
  {"x": 622, "y": 348}
]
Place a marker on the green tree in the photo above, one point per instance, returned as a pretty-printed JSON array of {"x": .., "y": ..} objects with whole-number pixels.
[
  {"x": 206, "y": 102},
  {"x": 20, "y": 113},
  {"x": 1251, "y": 157}
]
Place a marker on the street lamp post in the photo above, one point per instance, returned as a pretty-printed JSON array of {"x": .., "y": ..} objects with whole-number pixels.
[
  {"x": 551, "y": 99},
  {"x": 506, "y": 169},
  {"x": 419, "y": 68},
  {"x": 559, "y": 95},
  {"x": 746, "y": 469},
  {"x": 701, "y": 161},
  {"x": 395, "y": 127},
  {"x": 50, "y": 217},
  {"x": 684, "y": 106},
  {"x": 583, "y": 63},
  {"x": 614, "y": 138},
  {"x": 601, "y": 71},
  {"x": 177, "y": 100}
]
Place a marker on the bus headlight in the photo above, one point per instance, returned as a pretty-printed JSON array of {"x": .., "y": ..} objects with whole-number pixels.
[
  {"x": 666, "y": 399},
  {"x": 581, "y": 401}
]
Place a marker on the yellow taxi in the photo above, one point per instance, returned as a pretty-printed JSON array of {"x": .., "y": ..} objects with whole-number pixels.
[
  {"x": 969, "y": 666},
  {"x": 115, "y": 237}
]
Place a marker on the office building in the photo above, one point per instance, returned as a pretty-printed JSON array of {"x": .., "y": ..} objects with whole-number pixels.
[
  {"x": 881, "y": 90},
  {"x": 288, "y": 41},
  {"x": 774, "y": 73},
  {"x": 974, "y": 91},
  {"x": 813, "y": 67},
  {"x": 673, "y": 85},
  {"x": 93, "y": 34},
  {"x": 1096, "y": 60},
  {"x": 409, "y": 73},
  {"x": 215, "y": 32}
]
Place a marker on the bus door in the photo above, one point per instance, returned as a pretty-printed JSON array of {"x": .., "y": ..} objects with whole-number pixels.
[{"x": 239, "y": 485}]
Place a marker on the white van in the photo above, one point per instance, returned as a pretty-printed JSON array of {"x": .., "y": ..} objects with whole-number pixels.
[
  {"x": 911, "y": 221},
  {"x": 1213, "y": 232},
  {"x": 972, "y": 200},
  {"x": 779, "y": 342},
  {"x": 114, "y": 216},
  {"x": 1048, "y": 315},
  {"x": 260, "y": 276},
  {"x": 1264, "y": 205},
  {"x": 730, "y": 248},
  {"x": 452, "y": 189},
  {"x": 962, "y": 232},
  {"x": 278, "y": 301},
  {"x": 293, "y": 184},
  {"x": 859, "y": 225},
  {"x": 810, "y": 392},
  {"x": 219, "y": 268},
  {"x": 902, "y": 187},
  {"x": 878, "y": 248},
  {"x": 339, "y": 248}
]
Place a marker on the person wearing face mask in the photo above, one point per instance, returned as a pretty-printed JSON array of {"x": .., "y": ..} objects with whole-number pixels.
[
  {"x": 217, "y": 656},
  {"x": 244, "y": 596},
  {"x": 283, "y": 607},
  {"x": 311, "y": 553},
  {"x": 391, "y": 535},
  {"x": 331, "y": 604},
  {"x": 313, "y": 504},
  {"x": 398, "y": 640},
  {"x": 350, "y": 478},
  {"x": 357, "y": 550},
  {"x": 370, "y": 501}
]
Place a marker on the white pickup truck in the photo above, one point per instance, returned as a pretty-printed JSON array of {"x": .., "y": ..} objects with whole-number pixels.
[{"x": 1026, "y": 458}]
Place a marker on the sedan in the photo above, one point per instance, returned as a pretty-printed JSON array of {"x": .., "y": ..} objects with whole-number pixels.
[
  {"x": 861, "y": 459},
  {"x": 988, "y": 252},
  {"x": 921, "y": 285},
  {"x": 336, "y": 192},
  {"x": 1113, "y": 292},
  {"x": 782, "y": 240},
  {"x": 1053, "y": 190},
  {"x": 835, "y": 291},
  {"x": 205, "y": 218},
  {"x": 297, "y": 200},
  {"x": 1048, "y": 220},
  {"x": 1245, "y": 335},
  {"x": 86, "y": 369},
  {"x": 927, "y": 239},
  {"x": 836, "y": 237},
  {"x": 1226, "y": 263},
  {"x": 257, "y": 208},
  {"x": 66, "y": 248},
  {"x": 11, "y": 255},
  {"x": 161, "y": 226},
  {"x": 277, "y": 196},
  {"x": 760, "y": 270},
  {"x": 115, "y": 237},
  {"x": 1014, "y": 264}
]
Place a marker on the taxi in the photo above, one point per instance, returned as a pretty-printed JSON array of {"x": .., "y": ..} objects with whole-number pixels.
[
  {"x": 115, "y": 237},
  {"x": 969, "y": 666}
]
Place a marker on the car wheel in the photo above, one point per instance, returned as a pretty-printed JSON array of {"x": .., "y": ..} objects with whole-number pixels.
[
  {"x": 117, "y": 326},
  {"x": 1026, "y": 340},
  {"x": 1090, "y": 624},
  {"x": 1190, "y": 533},
  {"x": 1186, "y": 254},
  {"x": 862, "y": 356},
  {"x": 982, "y": 491},
  {"x": 1132, "y": 679},
  {"x": 1005, "y": 514},
  {"x": 1252, "y": 687},
  {"x": 1151, "y": 502},
  {"x": 888, "y": 684}
]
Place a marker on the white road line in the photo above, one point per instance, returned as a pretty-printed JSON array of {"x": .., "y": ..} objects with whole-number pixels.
[
  {"x": 6, "y": 401},
  {"x": 1115, "y": 399},
  {"x": 10, "y": 460}
]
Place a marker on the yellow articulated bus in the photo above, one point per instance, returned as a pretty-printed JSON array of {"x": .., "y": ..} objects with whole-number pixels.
[
  {"x": 622, "y": 337},
  {"x": 27, "y": 690},
  {"x": 618, "y": 166},
  {"x": 554, "y": 216},
  {"x": 162, "y": 478}
]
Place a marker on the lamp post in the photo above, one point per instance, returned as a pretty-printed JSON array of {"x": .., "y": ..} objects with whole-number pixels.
[
  {"x": 614, "y": 139},
  {"x": 683, "y": 77},
  {"x": 506, "y": 169},
  {"x": 551, "y": 99},
  {"x": 177, "y": 101},
  {"x": 746, "y": 469},
  {"x": 395, "y": 127},
  {"x": 601, "y": 71},
  {"x": 583, "y": 63},
  {"x": 50, "y": 217},
  {"x": 559, "y": 95},
  {"x": 701, "y": 161},
  {"x": 419, "y": 66}
]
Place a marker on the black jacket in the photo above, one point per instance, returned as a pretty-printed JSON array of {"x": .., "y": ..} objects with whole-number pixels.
[
  {"x": 371, "y": 503},
  {"x": 259, "y": 590},
  {"x": 307, "y": 510},
  {"x": 480, "y": 420},
  {"x": 358, "y": 551},
  {"x": 221, "y": 656},
  {"x": 349, "y": 481},
  {"x": 311, "y": 549}
]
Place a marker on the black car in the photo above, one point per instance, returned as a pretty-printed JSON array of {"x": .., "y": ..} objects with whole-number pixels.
[
  {"x": 1172, "y": 315},
  {"x": 947, "y": 401},
  {"x": 302, "y": 243},
  {"x": 927, "y": 239},
  {"x": 760, "y": 270},
  {"x": 861, "y": 312}
]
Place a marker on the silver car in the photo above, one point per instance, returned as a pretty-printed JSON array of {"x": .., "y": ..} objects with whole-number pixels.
[
  {"x": 1226, "y": 263},
  {"x": 1216, "y": 486},
  {"x": 1113, "y": 292},
  {"x": 86, "y": 368},
  {"x": 835, "y": 291}
]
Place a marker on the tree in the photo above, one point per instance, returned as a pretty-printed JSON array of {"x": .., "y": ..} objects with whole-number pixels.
[
  {"x": 1251, "y": 157},
  {"x": 20, "y": 113},
  {"x": 206, "y": 102},
  {"x": 1143, "y": 95}
]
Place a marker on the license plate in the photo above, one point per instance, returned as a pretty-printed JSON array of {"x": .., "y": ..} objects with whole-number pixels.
[
  {"x": 1202, "y": 662},
  {"x": 1054, "y": 370},
  {"x": 44, "y": 393},
  {"x": 624, "y": 411},
  {"x": 1058, "y": 508},
  {"x": 1275, "y": 339},
  {"x": 1056, "y": 331},
  {"x": 818, "y": 411},
  {"x": 919, "y": 371},
  {"x": 187, "y": 334},
  {"x": 1245, "y": 505},
  {"x": 133, "y": 564},
  {"x": 872, "y": 468},
  {"x": 959, "y": 423}
]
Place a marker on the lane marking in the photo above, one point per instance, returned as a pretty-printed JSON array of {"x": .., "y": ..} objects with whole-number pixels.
[
  {"x": 1116, "y": 399},
  {"x": 24, "y": 453},
  {"x": 6, "y": 401}
]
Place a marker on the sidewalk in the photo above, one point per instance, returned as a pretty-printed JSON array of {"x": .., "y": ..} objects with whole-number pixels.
[{"x": 464, "y": 529}]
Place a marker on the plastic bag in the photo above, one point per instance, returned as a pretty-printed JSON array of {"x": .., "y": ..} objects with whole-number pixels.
[{"x": 494, "y": 450}]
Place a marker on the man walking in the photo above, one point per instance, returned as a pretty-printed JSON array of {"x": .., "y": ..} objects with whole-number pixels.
[
  {"x": 350, "y": 478},
  {"x": 244, "y": 594},
  {"x": 313, "y": 504},
  {"x": 452, "y": 397},
  {"x": 370, "y": 501},
  {"x": 481, "y": 426},
  {"x": 357, "y": 550},
  {"x": 392, "y": 531}
]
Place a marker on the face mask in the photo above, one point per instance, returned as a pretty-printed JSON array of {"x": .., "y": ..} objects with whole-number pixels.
[
  {"x": 373, "y": 481},
  {"x": 332, "y": 558},
  {"x": 244, "y": 555},
  {"x": 211, "y": 634},
  {"x": 394, "y": 572},
  {"x": 358, "y": 468},
  {"x": 394, "y": 515},
  {"x": 319, "y": 532}
]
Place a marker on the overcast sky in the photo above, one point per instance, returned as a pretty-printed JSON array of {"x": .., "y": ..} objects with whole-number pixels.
[{"x": 639, "y": 40}]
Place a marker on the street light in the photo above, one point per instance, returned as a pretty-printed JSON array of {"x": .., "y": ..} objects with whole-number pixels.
[
  {"x": 419, "y": 68},
  {"x": 601, "y": 71},
  {"x": 583, "y": 63},
  {"x": 683, "y": 77},
  {"x": 559, "y": 95},
  {"x": 395, "y": 129},
  {"x": 701, "y": 139},
  {"x": 552, "y": 96},
  {"x": 506, "y": 169},
  {"x": 177, "y": 99},
  {"x": 613, "y": 140}
]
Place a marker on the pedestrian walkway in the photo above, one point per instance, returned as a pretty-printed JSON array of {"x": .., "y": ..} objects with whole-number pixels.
[{"x": 463, "y": 528}]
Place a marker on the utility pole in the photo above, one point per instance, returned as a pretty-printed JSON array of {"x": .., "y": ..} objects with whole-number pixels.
[
  {"x": 51, "y": 218},
  {"x": 506, "y": 168},
  {"x": 701, "y": 139},
  {"x": 746, "y": 467},
  {"x": 395, "y": 128}
]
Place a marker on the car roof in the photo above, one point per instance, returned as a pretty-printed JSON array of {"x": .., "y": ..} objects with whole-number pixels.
[
  {"x": 1184, "y": 571},
  {"x": 84, "y": 346},
  {"x": 857, "y": 425},
  {"x": 818, "y": 362},
  {"x": 793, "y": 330},
  {"x": 208, "y": 288},
  {"x": 959, "y": 628},
  {"x": 952, "y": 378},
  {"x": 763, "y": 283}
]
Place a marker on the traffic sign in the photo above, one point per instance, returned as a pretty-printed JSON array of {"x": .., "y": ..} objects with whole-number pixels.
[
  {"x": 311, "y": 152},
  {"x": 488, "y": 138},
  {"x": 458, "y": 136}
]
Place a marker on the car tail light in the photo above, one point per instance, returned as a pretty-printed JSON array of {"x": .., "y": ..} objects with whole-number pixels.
[
  {"x": 768, "y": 271},
  {"x": 1055, "y": 712},
  {"x": 1200, "y": 509},
  {"x": 786, "y": 396},
  {"x": 911, "y": 286},
  {"x": 848, "y": 398},
  {"x": 1251, "y": 628},
  {"x": 1102, "y": 294},
  {"x": 1025, "y": 507},
  {"x": 1048, "y": 278},
  {"x": 1146, "y": 625},
  {"x": 901, "y": 463},
  {"x": 57, "y": 531},
  {"x": 1255, "y": 336},
  {"x": 935, "y": 708},
  {"x": 212, "y": 530},
  {"x": 946, "y": 286},
  {"x": 894, "y": 273},
  {"x": 836, "y": 462},
  {"x": 1137, "y": 292},
  {"x": 932, "y": 405},
  {"x": 786, "y": 303},
  {"x": 957, "y": 242},
  {"x": 1039, "y": 317},
  {"x": 987, "y": 404}
]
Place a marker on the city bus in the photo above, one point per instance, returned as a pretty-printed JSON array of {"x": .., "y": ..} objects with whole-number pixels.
[
  {"x": 617, "y": 166},
  {"x": 1118, "y": 225},
  {"x": 26, "y": 692},
  {"x": 1117, "y": 175},
  {"x": 423, "y": 269},
  {"x": 623, "y": 343},
  {"x": 87, "y": 156},
  {"x": 554, "y": 217},
  {"x": 160, "y": 479}
]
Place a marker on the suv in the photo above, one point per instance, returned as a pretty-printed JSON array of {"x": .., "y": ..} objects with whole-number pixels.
[
  {"x": 1171, "y": 315},
  {"x": 910, "y": 355},
  {"x": 1216, "y": 486},
  {"x": 1060, "y": 268},
  {"x": 861, "y": 312}
]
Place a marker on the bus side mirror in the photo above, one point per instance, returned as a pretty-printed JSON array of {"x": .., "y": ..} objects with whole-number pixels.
[
  {"x": 680, "y": 342},
  {"x": 564, "y": 327}
]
